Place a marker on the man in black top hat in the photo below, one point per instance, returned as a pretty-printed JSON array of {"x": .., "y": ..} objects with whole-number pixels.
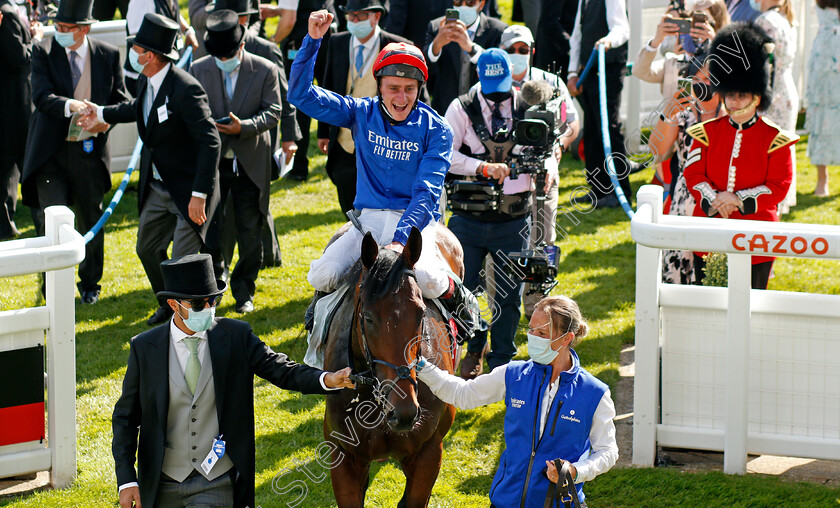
[
  {"x": 179, "y": 190},
  {"x": 244, "y": 88},
  {"x": 61, "y": 168},
  {"x": 350, "y": 57},
  {"x": 188, "y": 394}
]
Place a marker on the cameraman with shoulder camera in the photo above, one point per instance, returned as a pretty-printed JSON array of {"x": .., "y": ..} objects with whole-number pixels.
[{"x": 491, "y": 210}]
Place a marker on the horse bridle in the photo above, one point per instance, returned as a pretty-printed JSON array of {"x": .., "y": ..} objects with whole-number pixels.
[{"x": 368, "y": 377}]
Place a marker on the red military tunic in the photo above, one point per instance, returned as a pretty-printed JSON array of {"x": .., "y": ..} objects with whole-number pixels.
[{"x": 751, "y": 160}]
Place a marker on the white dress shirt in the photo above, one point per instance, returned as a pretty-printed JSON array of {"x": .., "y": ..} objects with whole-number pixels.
[
  {"x": 81, "y": 60},
  {"x": 289, "y": 5},
  {"x": 368, "y": 54},
  {"x": 617, "y": 22},
  {"x": 464, "y": 134},
  {"x": 471, "y": 32},
  {"x": 137, "y": 9},
  {"x": 490, "y": 388}
]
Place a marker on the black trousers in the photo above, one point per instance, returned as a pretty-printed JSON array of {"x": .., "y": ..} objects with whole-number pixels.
[
  {"x": 593, "y": 145},
  {"x": 249, "y": 220},
  {"x": 9, "y": 178},
  {"x": 341, "y": 168},
  {"x": 72, "y": 177}
]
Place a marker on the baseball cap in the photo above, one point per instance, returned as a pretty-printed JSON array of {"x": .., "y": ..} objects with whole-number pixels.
[
  {"x": 494, "y": 71},
  {"x": 516, "y": 33}
]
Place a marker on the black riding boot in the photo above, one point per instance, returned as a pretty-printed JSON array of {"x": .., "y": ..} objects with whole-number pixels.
[
  {"x": 309, "y": 315},
  {"x": 464, "y": 308}
]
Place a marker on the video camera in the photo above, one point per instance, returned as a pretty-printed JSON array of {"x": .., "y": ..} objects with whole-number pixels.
[{"x": 537, "y": 267}]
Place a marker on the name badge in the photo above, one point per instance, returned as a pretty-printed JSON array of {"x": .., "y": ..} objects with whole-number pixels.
[
  {"x": 163, "y": 115},
  {"x": 87, "y": 145},
  {"x": 291, "y": 54},
  {"x": 217, "y": 451}
]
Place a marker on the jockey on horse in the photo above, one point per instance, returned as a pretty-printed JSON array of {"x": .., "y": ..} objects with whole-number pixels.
[{"x": 403, "y": 151}]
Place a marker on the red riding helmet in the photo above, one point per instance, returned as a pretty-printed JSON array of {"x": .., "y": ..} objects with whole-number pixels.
[{"x": 401, "y": 60}]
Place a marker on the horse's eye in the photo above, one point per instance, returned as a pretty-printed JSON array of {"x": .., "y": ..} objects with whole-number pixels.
[{"x": 368, "y": 318}]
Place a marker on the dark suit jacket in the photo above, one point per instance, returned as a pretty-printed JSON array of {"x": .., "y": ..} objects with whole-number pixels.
[
  {"x": 256, "y": 101},
  {"x": 236, "y": 355},
  {"x": 15, "y": 90},
  {"x": 52, "y": 87},
  {"x": 256, "y": 45},
  {"x": 410, "y": 18},
  {"x": 445, "y": 73},
  {"x": 184, "y": 148},
  {"x": 557, "y": 21},
  {"x": 338, "y": 68}
]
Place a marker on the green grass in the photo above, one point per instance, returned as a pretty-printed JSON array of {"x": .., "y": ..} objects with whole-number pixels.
[{"x": 596, "y": 269}]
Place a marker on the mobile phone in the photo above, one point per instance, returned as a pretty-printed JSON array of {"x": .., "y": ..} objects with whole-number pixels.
[
  {"x": 684, "y": 24},
  {"x": 223, "y": 121},
  {"x": 698, "y": 18},
  {"x": 452, "y": 15}
]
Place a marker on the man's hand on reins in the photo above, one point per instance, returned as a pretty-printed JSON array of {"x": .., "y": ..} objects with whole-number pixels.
[{"x": 339, "y": 379}]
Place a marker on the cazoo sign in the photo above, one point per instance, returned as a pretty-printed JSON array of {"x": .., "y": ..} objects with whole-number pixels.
[{"x": 779, "y": 244}]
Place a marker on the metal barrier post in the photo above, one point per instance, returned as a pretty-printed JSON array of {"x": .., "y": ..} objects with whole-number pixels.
[{"x": 61, "y": 356}]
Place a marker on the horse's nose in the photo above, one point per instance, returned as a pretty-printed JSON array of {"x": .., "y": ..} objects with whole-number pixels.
[{"x": 400, "y": 421}]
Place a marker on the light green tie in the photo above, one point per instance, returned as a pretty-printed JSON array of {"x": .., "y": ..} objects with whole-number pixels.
[{"x": 193, "y": 364}]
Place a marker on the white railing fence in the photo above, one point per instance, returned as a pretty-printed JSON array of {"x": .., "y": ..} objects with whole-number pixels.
[
  {"x": 57, "y": 254},
  {"x": 742, "y": 371}
]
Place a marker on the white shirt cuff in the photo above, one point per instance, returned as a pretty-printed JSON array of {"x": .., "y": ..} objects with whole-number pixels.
[
  {"x": 99, "y": 117},
  {"x": 199, "y": 195},
  {"x": 324, "y": 384},
  {"x": 650, "y": 48},
  {"x": 67, "y": 112},
  {"x": 432, "y": 57},
  {"x": 478, "y": 51},
  {"x": 127, "y": 485}
]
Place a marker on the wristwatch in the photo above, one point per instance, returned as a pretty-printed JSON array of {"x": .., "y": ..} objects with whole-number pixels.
[{"x": 473, "y": 50}]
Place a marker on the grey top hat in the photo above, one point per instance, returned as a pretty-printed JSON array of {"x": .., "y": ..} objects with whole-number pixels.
[
  {"x": 157, "y": 33},
  {"x": 190, "y": 277},
  {"x": 75, "y": 12}
]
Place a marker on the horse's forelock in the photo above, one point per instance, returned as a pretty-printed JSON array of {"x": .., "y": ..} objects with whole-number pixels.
[{"x": 385, "y": 276}]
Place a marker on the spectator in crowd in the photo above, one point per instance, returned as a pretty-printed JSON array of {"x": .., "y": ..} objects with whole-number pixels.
[
  {"x": 748, "y": 180},
  {"x": 348, "y": 72},
  {"x": 60, "y": 167},
  {"x": 549, "y": 385},
  {"x": 105, "y": 10},
  {"x": 291, "y": 29},
  {"x": 179, "y": 175},
  {"x": 289, "y": 131},
  {"x": 200, "y": 9},
  {"x": 410, "y": 19},
  {"x": 17, "y": 35},
  {"x": 688, "y": 108},
  {"x": 518, "y": 42},
  {"x": 453, "y": 48},
  {"x": 403, "y": 151},
  {"x": 777, "y": 20},
  {"x": 666, "y": 71},
  {"x": 601, "y": 22},
  {"x": 483, "y": 121},
  {"x": 137, "y": 10},
  {"x": 556, "y": 23},
  {"x": 823, "y": 94},
  {"x": 188, "y": 399},
  {"x": 742, "y": 10},
  {"x": 244, "y": 89}
]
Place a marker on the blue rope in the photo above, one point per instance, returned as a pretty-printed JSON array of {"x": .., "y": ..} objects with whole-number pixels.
[
  {"x": 605, "y": 131},
  {"x": 135, "y": 157}
]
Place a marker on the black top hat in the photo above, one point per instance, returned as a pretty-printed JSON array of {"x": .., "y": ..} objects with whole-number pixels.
[
  {"x": 240, "y": 7},
  {"x": 75, "y": 12},
  {"x": 157, "y": 33},
  {"x": 748, "y": 70},
  {"x": 190, "y": 277},
  {"x": 362, "y": 5},
  {"x": 224, "y": 34}
]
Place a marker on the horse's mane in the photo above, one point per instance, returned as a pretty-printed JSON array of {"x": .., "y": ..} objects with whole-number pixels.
[{"x": 384, "y": 277}]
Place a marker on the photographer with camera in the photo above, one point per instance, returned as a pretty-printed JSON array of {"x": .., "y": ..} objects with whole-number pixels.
[{"x": 491, "y": 205}]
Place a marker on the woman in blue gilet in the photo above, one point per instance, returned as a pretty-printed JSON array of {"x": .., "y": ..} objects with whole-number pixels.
[{"x": 554, "y": 409}]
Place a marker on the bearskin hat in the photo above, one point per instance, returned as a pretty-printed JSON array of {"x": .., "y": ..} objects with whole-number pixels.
[{"x": 740, "y": 60}]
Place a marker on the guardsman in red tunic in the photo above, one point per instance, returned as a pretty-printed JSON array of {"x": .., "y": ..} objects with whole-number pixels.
[{"x": 740, "y": 166}]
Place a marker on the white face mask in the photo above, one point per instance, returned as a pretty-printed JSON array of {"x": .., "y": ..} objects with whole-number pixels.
[
  {"x": 199, "y": 321},
  {"x": 539, "y": 349},
  {"x": 519, "y": 63},
  {"x": 467, "y": 14}
]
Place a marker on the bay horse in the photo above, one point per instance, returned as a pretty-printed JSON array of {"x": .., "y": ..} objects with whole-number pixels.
[{"x": 379, "y": 329}]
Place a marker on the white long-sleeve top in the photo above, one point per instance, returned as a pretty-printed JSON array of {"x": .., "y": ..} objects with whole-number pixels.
[
  {"x": 617, "y": 22},
  {"x": 490, "y": 388}
]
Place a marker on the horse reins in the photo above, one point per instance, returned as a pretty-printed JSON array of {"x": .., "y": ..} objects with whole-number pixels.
[
  {"x": 565, "y": 493},
  {"x": 368, "y": 377}
]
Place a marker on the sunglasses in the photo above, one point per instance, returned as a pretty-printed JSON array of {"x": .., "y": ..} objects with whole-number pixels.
[
  {"x": 468, "y": 3},
  {"x": 357, "y": 16},
  {"x": 521, "y": 51},
  {"x": 201, "y": 303}
]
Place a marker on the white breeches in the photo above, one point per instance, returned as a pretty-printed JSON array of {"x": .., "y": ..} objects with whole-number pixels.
[{"x": 326, "y": 272}]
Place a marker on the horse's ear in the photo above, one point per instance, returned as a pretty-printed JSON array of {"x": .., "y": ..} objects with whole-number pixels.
[
  {"x": 413, "y": 246},
  {"x": 370, "y": 249}
]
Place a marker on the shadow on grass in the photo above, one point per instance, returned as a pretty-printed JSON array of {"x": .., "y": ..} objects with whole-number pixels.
[{"x": 306, "y": 221}]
